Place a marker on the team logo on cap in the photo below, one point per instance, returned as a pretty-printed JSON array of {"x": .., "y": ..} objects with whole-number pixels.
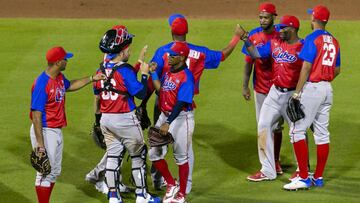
[{"x": 281, "y": 56}]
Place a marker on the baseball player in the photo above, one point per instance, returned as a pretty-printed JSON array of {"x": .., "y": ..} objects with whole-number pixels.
[
  {"x": 262, "y": 76},
  {"x": 199, "y": 58},
  {"x": 48, "y": 115},
  {"x": 286, "y": 66},
  {"x": 321, "y": 55},
  {"x": 114, "y": 98},
  {"x": 96, "y": 175},
  {"x": 176, "y": 91}
]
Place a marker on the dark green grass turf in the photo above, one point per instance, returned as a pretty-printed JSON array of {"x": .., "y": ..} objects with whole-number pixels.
[{"x": 225, "y": 132}]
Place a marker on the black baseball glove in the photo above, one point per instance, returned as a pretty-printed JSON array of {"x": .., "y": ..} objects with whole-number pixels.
[
  {"x": 294, "y": 110},
  {"x": 97, "y": 136},
  {"x": 40, "y": 160},
  {"x": 156, "y": 139},
  {"x": 143, "y": 117}
]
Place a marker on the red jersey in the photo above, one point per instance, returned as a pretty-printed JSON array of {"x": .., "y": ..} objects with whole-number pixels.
[
  {"x": 48, "y": 97},
  {"x": 176, "y": 86},
  {"x": 125, "y": 80},
  {"x": 262, "y": 67},
  {"x": 199, "y": 58},
  {"x": 322, "y": 50},
  {"x": 286, "y": 64}
]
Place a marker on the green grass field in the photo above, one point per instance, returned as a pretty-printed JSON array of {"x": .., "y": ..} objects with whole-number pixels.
[{"x": 225, "y": 133}]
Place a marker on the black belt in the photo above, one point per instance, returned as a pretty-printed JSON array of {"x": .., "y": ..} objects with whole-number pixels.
[{"x": 285, "y": 89}]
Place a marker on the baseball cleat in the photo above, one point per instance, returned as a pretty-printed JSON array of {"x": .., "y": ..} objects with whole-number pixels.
[
  {"x": 188, "y": 186},
  {"x": 179, "y": 198},
  {"x": 147, "y": 198},
  {"x": 278, "y": 168},
  {"x": 171, "y": 191},
  {"x": 113, "y": 197},
  {"x": 298, "y": 184},
  {"x": 294, "y": 175},
  {"x": 319, "y": 182},
  {"x": 257, "y": 177}
]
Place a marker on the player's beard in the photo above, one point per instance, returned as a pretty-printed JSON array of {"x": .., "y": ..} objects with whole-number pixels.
[
  {"x": 63, "y": 66},
  {"x": 312, "y": 26}
]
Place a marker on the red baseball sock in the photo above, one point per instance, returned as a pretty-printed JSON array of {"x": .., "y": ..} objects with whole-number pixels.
[
  {"x": 322, "y": 155},
  {"x": 163, "y": 168},
  {"x": 301, "y": 152},
  {"x": 43, "y": 193},
  {"x": 183, "y": 175}
]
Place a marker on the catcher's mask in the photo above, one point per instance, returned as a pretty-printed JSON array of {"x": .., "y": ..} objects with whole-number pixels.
[{"x": 115, "y": 40}]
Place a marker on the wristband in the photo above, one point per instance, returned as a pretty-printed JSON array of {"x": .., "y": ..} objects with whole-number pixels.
[{"x": 91, "y": 78}]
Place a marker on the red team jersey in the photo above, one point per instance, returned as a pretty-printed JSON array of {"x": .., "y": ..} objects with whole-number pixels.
[
  {"x": 286, "y": 64},
  {"x": 48, "y": 97},
  {"x": 176, "y": 86},
  {"x": 124, "y": 79},
  {"x": 262, "y": 67},
  {"x": 199, "y": 58},
  {"x": 322, "y": 50}
]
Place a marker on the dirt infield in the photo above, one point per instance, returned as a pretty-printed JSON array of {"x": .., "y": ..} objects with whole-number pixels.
[{"x": 140, "y": 9}]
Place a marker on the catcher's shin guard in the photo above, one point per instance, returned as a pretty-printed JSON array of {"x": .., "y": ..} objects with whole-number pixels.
[
  {"x": 112, "y": 176},
  {"x": 139, "y": 171}
]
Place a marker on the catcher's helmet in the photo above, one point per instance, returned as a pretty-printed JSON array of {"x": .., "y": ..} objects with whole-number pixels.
[{"x": 115, "y": 40}]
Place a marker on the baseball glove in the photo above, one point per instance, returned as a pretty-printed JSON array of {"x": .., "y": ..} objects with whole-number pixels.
[
  {"x": 294, "y": 110},
  {"x": 143, "y": 117},
  {"x": 40, "y": 160},
  {"x": 157, "y": 140},
  {"x": 97, "y": 136}
]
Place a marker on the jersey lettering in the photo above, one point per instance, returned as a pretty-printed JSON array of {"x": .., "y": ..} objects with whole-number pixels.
[
  {"x": 169, "y": 85},
  {"x": 281, "y": 56},
  {"x": 194, "y": 54},
  {"x": 105, "y": 95},
  {"x": 329, "y": 54}
]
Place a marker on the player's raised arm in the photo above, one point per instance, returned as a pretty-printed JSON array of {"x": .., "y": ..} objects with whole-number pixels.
[{"x": 238, "y": 34}]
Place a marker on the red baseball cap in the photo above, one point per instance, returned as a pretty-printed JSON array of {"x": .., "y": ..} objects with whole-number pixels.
[
  {"x": 178, "y": 24},
  {"x": 320, "y": 12},
  {"x": 179, "y": 49},
  {"x": 268, "y": 8},
  {"x": 56, "y": 54},
  {"x": 289, "y": 21}
]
